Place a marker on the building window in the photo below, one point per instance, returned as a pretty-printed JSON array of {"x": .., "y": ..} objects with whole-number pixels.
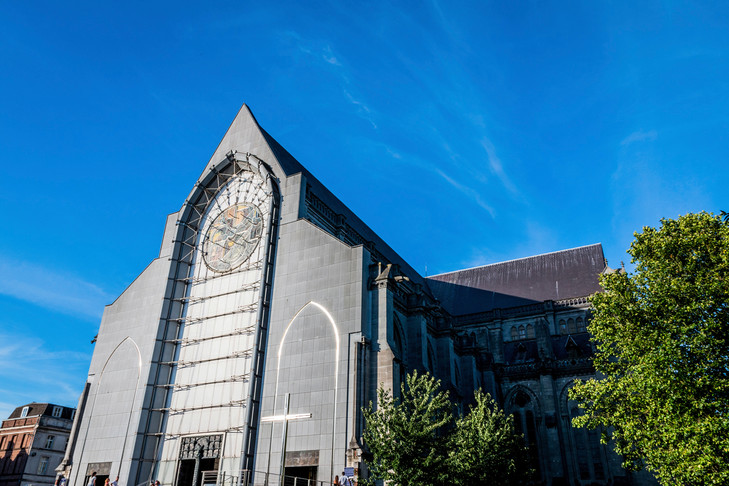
[
  {"x": 562, "y": 327},
  {"x": 514, "y": 333},
  {"x": 49, "y": 441},
  {"x": 530, "y": 332},
  {"x": 57, "y": 411},
  {"x": 525, "y": 424},
  {"x": 580, "y": 325},
  {"x": 571, "y": 326},
  {"x": 522, "y": 332},
  {"x": 24, "y": 412},
  {"x": 43, "y": 465}
]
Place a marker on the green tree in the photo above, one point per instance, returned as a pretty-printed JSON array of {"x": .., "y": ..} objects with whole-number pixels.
[
  {"x": 485, "y": 448},
  {"x": 662, "y": 340},
  {"x": 405, "y": 435}
]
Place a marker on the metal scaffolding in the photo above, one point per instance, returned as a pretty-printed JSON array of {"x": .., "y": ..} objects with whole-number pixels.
[{"x": 251, "y": 181}]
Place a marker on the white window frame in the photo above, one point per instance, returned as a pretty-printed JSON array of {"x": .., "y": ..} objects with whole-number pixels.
[
  {"x": 49, "y": 441},
  {"x": 24, "y": 412},
  {"x": 57, "y": 411}
]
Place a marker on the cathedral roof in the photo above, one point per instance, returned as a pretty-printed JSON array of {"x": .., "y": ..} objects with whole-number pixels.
[{"x": 551, "y": 276}]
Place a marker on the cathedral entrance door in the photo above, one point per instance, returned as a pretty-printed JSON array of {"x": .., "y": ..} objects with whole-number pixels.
[
  {"x": 186, "y": 472},
  {"x": 300, "y": 476},
  {"x": 199, "y": 460}
]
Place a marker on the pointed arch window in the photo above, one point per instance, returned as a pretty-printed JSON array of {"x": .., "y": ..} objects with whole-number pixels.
[
  {"x": 562, "y": 327},
  {"x": 523, "y": 408},
  {"x": 581, "y": 325},
  {"x": 571, "y": 326},
  {"x": 522, "y": 332},
  {"x": 530, "y": 332},
  {"x": 514, "y": 333}
]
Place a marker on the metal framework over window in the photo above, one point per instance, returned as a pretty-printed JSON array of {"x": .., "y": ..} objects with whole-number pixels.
[{"x": 178, "y": 301}]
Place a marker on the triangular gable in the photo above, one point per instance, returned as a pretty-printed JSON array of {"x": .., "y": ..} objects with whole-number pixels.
[{"x": 245, "y": 135}]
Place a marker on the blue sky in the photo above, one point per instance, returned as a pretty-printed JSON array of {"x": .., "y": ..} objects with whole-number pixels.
[{"x": 464, "y": 133}]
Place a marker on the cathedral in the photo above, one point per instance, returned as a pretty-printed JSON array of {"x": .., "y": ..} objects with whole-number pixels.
[{"x": 245, "y": 351}]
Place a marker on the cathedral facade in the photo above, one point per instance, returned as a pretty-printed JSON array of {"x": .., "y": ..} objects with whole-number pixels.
[{"x": 246, "y": 350}]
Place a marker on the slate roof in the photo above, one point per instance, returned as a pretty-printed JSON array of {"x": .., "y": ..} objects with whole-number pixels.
[
  {"x": 41, "y": 409},
  {"x": 552, "y": 276}
]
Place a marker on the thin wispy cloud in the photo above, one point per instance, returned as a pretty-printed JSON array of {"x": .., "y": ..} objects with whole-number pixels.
[
  {"x": 394, "y": 154},
  {"x": 497, "y": 167},
  {"x": 426, "y": 165},
  {"x": 471, "y": 193},
  {"x": 454, "y": 101},
  {"x": 44, "y": 374},
  {"x": 640, "y": 136},
  {"x": 363, "y": 110},
  {"x": 309, "y": 47},
  {"x": 323, "y": 52},
  {"x": 60, "y": 292},
  {"x": 329, "y": 56}
]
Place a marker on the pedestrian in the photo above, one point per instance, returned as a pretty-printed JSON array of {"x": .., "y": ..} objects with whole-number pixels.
[
  {"x": 92, "y": 479},
  {"x": 115, "y": 482},
  {"x": 336, "y": 480},
  {"x": 345, "y": 480},
  {"x": 106, "y": 482}
]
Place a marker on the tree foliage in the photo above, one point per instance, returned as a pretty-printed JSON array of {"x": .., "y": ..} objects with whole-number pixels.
[
  {"x": 485, "y": 448},
  {"x": 414, "y": 440},
  {"x": 662, "y": 340},
  {"x": 405, "y": 436}
]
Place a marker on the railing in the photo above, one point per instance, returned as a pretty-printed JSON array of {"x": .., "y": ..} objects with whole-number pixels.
[
  {"x": 257, "y": 478},
  {"x": 210, "y": 478}
]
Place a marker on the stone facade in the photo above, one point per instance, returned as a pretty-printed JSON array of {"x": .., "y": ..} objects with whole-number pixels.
[
  {"x": 32, "y": 444},
  {"x": 273, "y": 313}
]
